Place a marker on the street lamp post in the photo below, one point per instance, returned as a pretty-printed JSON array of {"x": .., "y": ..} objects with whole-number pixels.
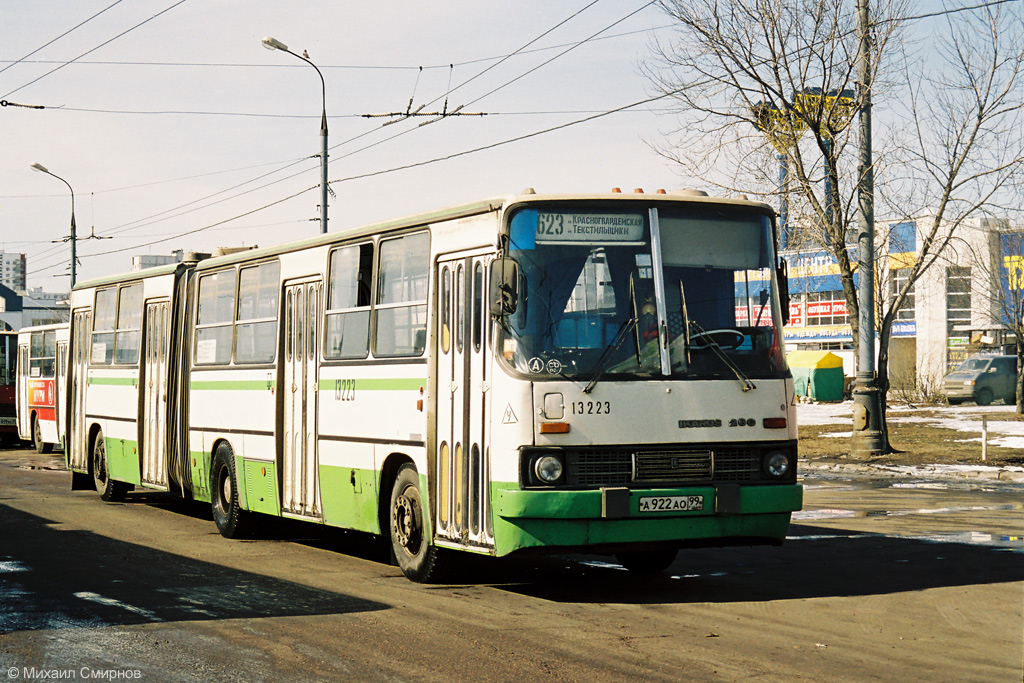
[
  {"x": 274, "y": 44},
  {"x": 869, "y": 437},
  {"x": 73, "y": 238}
]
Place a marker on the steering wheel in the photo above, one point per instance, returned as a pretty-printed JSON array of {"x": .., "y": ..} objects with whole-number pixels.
[{"x": 732, "y": 339}]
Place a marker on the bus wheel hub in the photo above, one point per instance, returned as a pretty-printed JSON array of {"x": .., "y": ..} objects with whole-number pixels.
[{"x": 405, "y": 523}]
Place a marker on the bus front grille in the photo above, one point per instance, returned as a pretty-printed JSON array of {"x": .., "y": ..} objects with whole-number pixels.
[
  {"x": 673, "y": 466},
  {"x": 600, "y": 468},
  {"x": 625, "y": 467}
]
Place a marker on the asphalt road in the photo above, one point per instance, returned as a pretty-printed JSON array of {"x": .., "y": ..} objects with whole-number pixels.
[{"x": 879, "y": 580}]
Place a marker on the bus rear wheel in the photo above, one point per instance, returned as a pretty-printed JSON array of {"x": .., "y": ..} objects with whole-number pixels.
[
  {"x": 231, "y": 520},
  {"x": 417, "y": 558},
  {"x": 647, "y": 561},
  {"x": 37, "y": 437},
  {"x": 109, "y": 490}
]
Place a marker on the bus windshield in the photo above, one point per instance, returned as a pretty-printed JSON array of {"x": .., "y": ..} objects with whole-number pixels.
[{"x": 599, "y": 295}]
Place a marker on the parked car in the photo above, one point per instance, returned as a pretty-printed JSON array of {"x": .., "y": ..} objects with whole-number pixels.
[{"x": 982, "y": 379}]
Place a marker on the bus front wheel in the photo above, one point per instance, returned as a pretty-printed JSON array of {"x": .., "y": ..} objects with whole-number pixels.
[
  {"x": 37, "y": 437},
  {"x": 231, "y": 520},
  {"x": 417, "y": 558},
  {"x": 109, "y": 490}
]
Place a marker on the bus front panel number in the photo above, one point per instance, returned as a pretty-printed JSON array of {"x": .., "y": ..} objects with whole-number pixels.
[
  {"x": 671, "y": 503},
  {"x": 344, "y": 390},
  {"x": 591, "y": 407}
]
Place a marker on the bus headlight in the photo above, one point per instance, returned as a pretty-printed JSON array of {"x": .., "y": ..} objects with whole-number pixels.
[
  {"x": 548, "y": 468},
  {"x": 777, "y": 464}
]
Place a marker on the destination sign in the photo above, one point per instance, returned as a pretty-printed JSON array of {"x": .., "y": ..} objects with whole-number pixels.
[{"x": 589, "y": 227}]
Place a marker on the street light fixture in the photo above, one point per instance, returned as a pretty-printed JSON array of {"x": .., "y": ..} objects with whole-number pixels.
[
  {"x": 73, "y": 238},
  {"x": 274, "y": 44}
]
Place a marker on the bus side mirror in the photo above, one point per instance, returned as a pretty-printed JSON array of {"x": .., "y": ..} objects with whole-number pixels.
[
  {"x": 504, "y": 290},
  {"x": 782, "y": 276}
]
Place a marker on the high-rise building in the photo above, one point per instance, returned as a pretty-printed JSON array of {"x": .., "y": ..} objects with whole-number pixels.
[{"x": 12, "y": 271}]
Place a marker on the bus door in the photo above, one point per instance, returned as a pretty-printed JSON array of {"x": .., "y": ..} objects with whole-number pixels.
[
  {"x": 462, "y": 459},
  {"x": 24, "y": 424},
  {"x": 155, "y": 335},
  {"x": 61, "y": 388},
  {"x": 300, "y": 478},
  {"x": 81, "y": 328}
]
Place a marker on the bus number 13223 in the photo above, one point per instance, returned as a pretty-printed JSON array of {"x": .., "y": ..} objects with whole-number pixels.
[{"x": 591, "y": 407}]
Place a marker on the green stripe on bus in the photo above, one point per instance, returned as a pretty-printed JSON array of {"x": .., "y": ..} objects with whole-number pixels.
[
  {"x": 233, "y": 385},
  {"x": 114, "y": 381},
  {"x": 376, "y": 384},
  {"x": 370, "y": 384}
]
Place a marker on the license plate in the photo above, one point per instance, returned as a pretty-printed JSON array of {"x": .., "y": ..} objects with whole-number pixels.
[{"x": 671, "y": 503}]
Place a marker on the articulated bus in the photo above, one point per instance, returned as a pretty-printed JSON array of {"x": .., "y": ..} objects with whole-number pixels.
[
  {"x": 8, "y": 384},
  {"x": 531, "y": 373},
  {"x": 42, "y": 376}
]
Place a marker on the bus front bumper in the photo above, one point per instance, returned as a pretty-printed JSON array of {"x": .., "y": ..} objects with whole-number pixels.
[{"x": 610, "y": 519}]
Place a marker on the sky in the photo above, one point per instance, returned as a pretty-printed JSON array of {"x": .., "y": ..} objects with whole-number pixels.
[{"x": 176, "y": 129}]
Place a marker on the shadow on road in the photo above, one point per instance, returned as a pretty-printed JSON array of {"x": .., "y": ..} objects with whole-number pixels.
[
  {"x": 53, "y": 579},
  {"x": 814, "y": 563}
]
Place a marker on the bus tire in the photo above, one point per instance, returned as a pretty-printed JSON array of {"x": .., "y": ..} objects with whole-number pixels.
[
  {"x": 647, "y": 561},
  {"x": 110, "y": 491},
  {"x": 231, "y": 520},
  {"x": 417, "y": 558},
  {"x": 37, "y": 437}
]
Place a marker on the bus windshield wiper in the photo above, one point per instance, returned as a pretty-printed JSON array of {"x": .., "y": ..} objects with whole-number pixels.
[
  {"x": 686, "y": 323},
  {"x": 713, "y": 345},
  {"x": 620, "y": 336}
]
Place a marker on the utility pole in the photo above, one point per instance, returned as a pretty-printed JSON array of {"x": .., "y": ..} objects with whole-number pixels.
[
  {"x": 274, "y": 44},
  {"x": 867, "y": 433},
  {"x": 73, "y": 238}
]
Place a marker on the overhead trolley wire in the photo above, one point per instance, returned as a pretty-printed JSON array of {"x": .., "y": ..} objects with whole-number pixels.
[
  {"x": 70, "y": 30},
  {"x": 349, "y": 67},
  {"x": 413, "y": 165},
  {"x": 402, "y": 168},
  {"x": 90, "y": 51}
]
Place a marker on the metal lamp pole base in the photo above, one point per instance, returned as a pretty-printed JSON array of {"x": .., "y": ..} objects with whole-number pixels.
[{"x": 867, "y": 419}]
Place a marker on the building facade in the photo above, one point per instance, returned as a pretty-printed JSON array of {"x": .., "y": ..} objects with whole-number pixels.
[
  {"x": 953, "y": 310},
  {"x": 12, "y": 271}
]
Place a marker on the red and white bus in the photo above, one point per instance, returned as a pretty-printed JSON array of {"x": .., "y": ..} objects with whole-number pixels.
[
  {"x": 8, "y": 406},
  {"x": 42, "y": 380}
]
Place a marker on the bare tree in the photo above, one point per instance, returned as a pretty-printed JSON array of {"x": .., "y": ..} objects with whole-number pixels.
[
  {"x": 759, "y": 80},
  {"x": 963, "y": 151},
  {"x": 1002, "y": 264},
  {"x": 753, "y": 77}
]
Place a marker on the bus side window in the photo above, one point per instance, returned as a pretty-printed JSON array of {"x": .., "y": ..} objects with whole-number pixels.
[
  {"x": 103, "y": 321},
  {"x": 256, "y": 327},
  {"x": 49, "y": 353},
  {"x": 216, "y": 315},
  {"x": 129, "y": 325},
  {"x": 347, "y": 333},
  {"x": 401, "y": 309}
]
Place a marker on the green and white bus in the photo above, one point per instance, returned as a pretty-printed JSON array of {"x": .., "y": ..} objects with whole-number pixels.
[{"x": 599, "y": 373}]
